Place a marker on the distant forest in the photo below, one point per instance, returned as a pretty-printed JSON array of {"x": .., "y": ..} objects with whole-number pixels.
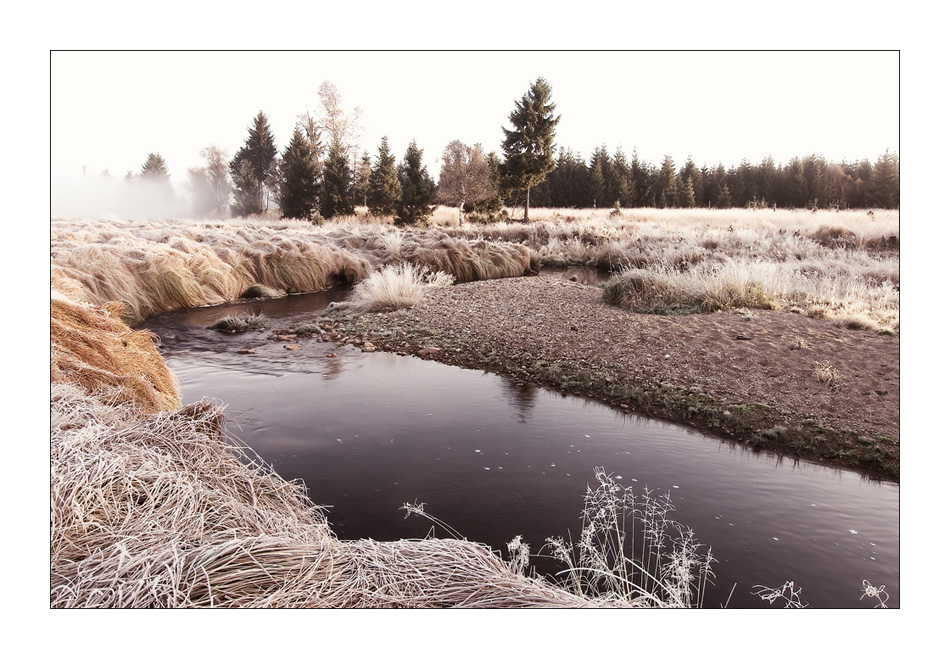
[
  {"x": 604, "y": 180},
  {"x": 320, "y": 174}
]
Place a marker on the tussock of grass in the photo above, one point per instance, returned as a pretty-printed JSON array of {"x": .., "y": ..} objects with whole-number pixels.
[
  {"x": 396, "y": 287},
  {"x": 94, "y": 349},
  {"x": 242, "y": 322}
]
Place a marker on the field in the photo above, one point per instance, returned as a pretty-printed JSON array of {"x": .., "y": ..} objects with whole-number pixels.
[{"x": 151, "y": 506}]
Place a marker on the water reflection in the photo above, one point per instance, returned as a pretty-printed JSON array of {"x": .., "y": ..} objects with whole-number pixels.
[
  {"x": 522, "y": 396},
  {"x": 368, "y": 432}
]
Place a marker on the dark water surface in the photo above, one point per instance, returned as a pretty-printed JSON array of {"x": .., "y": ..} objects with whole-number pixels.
[{"x": 495, "y": 458}]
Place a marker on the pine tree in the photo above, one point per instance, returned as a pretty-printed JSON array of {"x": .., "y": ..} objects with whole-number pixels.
[
  {"x": 253, "y": 167},
  {"x": 416, "y": 203},
  {"x": 384, "y": 190},
  {"x": 155, "y": 168},
  {"x": 886, "y": 181},
  {"x": 667, "y": 183},
  {"x": 361, "y": 176},
  {"x": 597, "y": 184},
  {"x": 529, "y": 148},
  {"x": 298, "y": 179},
  {"x": 335, "y": 192}
]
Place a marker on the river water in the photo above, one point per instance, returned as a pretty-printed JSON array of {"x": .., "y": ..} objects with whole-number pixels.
[{"x": 495, "y": 458}]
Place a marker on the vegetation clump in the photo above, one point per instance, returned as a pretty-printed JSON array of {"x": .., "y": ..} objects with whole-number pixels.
[
  {"x": 239, "y": 323},
  {"x": 396, "y": 287}
]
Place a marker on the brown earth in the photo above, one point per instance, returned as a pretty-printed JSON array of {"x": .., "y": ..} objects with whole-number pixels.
[{"x": 751, "y": 376}]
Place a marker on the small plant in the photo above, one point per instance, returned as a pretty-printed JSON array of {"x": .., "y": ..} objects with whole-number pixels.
[
  {"x": 616, "y": 211},
  {"x": 665, "y": 567},
  {"x": 242, "y": 322},
  {"x": 799, "y": 343},
  {"x": 826, "y": 374}
]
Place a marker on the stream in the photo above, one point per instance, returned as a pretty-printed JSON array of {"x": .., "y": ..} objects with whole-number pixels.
[{"x": 495, "y": 458}]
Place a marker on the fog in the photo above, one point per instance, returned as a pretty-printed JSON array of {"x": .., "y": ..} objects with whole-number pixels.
[{"x": 101, "y": 196}]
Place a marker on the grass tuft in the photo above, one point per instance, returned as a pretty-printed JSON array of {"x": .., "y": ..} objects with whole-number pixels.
[
  {"x": 396, "y": 287},
  {"x": 242, "y": 322}
]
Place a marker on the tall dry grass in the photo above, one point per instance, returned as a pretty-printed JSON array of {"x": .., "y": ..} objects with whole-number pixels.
[
  {"x": 160, "y": 265},
  {"x": 844, "y": 265}
]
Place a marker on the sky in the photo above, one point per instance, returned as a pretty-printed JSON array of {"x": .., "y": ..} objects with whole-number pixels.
[{"x": 110, "y": 109}]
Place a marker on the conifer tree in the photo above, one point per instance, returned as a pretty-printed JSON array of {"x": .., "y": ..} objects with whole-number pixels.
[
  {"x": 298, "y": 179},
  {"x": 598, "y": 178},
  {"x": 416, "y": 203},
  {"x": 155, "y": 168},
  {"x": 885, "y": 181},
  {"x": 253, "y": 166},
  {"x": 529, "y": 147},
  {"x": 667, "y": 184},
  {"x": 361, "y": 176},
  {"x": 384, "y": 190},
  {"x": 335, "y": 192}
]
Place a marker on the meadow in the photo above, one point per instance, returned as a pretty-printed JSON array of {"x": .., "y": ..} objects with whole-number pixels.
[{"x": 153, "y": 504}]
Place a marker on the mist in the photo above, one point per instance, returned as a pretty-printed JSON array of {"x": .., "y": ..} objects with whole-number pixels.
[{"x": 103, "y": 196}]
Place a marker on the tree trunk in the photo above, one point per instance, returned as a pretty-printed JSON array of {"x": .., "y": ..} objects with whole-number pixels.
[{"x": 527, "y": 197}]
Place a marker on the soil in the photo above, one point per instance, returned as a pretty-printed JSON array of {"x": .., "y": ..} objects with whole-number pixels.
[{"x": 750, "y": 376}]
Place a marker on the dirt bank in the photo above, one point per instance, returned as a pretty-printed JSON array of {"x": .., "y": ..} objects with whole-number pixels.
[{"x": 802, "y": 387}]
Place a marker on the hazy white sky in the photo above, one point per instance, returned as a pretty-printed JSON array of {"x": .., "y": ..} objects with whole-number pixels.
[{"x": 109, "y": 110}]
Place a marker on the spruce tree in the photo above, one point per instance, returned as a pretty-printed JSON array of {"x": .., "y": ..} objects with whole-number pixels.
[
  {"x": 886, "y": 182},
  {"x": 298, "y": 179},
  {"x": 416, "y": 203},
  {"x": 598, "y": 179},
  {"x": 361, "y": 176},
  {"x": 384, "y": 190},
  {"x": 529, "y": 147},
  {"x": 155, "y": 168},
  {"x": 335, "y": 193},
  {"x": 253, "y": 166},
  {"x": 667, "y": 184}
]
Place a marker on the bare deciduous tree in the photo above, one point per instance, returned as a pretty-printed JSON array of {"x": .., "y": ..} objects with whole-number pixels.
[{"x": 465, "y": 176}]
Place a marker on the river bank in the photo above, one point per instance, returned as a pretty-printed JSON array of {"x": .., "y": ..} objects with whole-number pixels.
[{"x": 802, "y": 387}]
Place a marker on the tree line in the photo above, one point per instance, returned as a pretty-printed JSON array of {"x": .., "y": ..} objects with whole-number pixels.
[{"x": 319, "y": 174}]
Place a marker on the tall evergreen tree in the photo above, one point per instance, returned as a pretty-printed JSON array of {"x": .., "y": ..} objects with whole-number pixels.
[
  {"x": 529, "y": 147},
  {"x": 364, "y": 170},
  {"x": 597, "y": 185},
  {"x": 667, "y": 184},
  {"x": 298, "y": 179},
  {"x": 384, "y": 190},
  {"x": 154, "y": 168},
  {"x": 416, "y": 203},
  {"x": 335, "y": 191},
  {"x": 885, "y": 181},
  {"x": 252, "y": 167}
]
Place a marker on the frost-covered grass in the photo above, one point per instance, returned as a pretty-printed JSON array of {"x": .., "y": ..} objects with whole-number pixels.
[{"x": 396, "y": 287}]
